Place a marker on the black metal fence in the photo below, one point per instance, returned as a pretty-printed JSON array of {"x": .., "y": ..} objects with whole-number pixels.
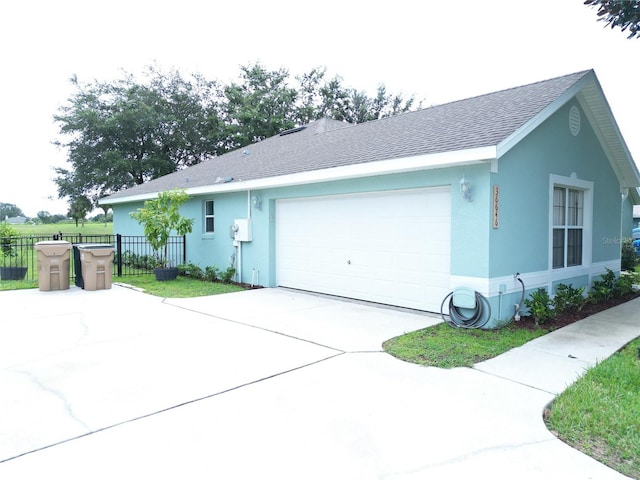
[{"x": 132, "y": 254}]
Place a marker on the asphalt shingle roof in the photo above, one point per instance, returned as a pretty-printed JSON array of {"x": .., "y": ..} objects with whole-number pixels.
[{"x": 481, "y": 121}]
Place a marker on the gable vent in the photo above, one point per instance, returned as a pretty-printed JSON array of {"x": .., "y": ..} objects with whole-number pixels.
[{"x": 574, "y": 120}]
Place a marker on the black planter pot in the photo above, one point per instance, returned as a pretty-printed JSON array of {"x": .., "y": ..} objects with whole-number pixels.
[
  {"x": 163, "y": 274},
  {"x": 13, "y": 273}
]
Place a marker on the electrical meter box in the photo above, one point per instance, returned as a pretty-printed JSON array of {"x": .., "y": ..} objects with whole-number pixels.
[{"x": 241, "y": 230}]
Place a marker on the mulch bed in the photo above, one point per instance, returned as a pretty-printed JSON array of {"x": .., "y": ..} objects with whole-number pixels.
[{"x": 567, "y": 318}]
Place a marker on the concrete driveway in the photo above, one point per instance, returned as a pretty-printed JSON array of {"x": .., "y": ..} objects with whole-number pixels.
[{"x": 267, "y": 383}]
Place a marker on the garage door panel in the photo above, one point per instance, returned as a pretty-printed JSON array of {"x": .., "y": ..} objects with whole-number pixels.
[{"x": 384, "y": 247}]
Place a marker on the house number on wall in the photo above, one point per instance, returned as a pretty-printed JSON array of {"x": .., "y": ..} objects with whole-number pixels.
[{"x": 496, "y": 207}]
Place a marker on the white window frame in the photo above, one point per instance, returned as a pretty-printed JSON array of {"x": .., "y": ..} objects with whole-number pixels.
[
  {"x": 206, "y": 216},
  {"x": 573, "y": 183}
]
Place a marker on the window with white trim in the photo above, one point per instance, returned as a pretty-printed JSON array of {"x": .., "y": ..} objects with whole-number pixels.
[
  {"x": 209, "y": 216},
  {"x": 568, "y": 226}
]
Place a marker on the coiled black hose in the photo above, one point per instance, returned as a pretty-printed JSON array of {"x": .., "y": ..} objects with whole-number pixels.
[{"x": 457, "y": 319}]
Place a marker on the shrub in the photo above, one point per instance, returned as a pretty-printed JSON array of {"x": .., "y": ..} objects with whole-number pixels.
[
  {"x": 191, "y": 270},
  {"x": 625, "y": 283},
  {"x": 568, "y": 298},
  {"x": 540, "y": 306},
  {"x": 211, "y": 273},
  {"x": 628, "y": 254},
  {"x": 603, "y": 289},
  {"x": 227, "y": 275},
  {"x": 143, "y": 262}
]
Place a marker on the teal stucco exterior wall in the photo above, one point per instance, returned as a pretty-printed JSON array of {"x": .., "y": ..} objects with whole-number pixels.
[{"x": 521, "y": 243}]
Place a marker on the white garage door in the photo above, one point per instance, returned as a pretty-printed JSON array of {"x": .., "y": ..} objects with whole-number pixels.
[{"x": 391, "y": 248}]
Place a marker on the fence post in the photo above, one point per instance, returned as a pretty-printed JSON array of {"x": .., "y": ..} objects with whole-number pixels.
[
  {"x": 184, "y": 249},
  {"x": 119, "y": 253}
]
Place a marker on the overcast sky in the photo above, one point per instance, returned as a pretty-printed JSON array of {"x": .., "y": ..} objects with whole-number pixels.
[{"x": 437, "y": 50}]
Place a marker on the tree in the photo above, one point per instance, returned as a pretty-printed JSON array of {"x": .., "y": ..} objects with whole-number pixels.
[
  {"x": 260, "y": 106},
  {"x": 624, "y": 14},
  {"x": 44, "y": 216},
  {"x": 79, "y": 208},
  {"x": 125, "y": 133},
  {"x": 330, "y": 98},
  {"x": 128, "y": 132},
  {"x": 8, "y": 210},
  {"x": 161, "y": 216}
]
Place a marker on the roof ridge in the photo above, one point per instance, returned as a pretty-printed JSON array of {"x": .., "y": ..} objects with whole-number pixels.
[{"x": 578, "y": 75}]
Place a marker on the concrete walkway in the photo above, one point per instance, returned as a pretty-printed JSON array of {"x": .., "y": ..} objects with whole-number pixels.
[{"x": 272, "y": 383}]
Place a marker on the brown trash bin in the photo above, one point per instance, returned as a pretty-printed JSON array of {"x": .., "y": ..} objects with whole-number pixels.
[
  {"x": 53, "y": 265},
  {"x": 97, "y": 270}
]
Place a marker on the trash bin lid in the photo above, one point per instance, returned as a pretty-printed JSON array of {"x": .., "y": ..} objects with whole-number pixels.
[
  {"x": 93, "y": 246},
  {"x": 53, "y": 247},
  {"x": 96, "y": 249}
]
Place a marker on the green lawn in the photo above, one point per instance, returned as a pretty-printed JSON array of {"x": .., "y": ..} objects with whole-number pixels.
[
  {"x": 447, "y": 347},
  {"x": 600, "y": 413},
  {"x": 181, "y": 287},
  {"x": 17, "y": 284},
  {"x": 90, "y": 228}
]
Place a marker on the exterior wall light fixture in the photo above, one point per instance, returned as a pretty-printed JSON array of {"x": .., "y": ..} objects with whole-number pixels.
[{"x": 465, "y": 189}]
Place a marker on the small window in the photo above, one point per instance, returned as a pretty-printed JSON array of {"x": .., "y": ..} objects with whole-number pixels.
[
  {"x": 209, "y": 214},
  {"x": 568, "y": 222}
]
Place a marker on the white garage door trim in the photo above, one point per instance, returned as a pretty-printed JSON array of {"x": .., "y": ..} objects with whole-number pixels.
[{"x": 386, "y": 247}]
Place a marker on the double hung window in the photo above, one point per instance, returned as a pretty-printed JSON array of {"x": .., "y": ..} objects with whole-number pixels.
[
  {"x": 568, "y": 226},
  {"x": 209, "y": 216}
]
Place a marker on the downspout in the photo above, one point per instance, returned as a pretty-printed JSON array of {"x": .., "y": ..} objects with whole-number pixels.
[{"x": 624, "y": 195}]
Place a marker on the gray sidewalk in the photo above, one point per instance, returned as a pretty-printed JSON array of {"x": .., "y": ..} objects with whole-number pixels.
[{"x": 273, "y": 384}]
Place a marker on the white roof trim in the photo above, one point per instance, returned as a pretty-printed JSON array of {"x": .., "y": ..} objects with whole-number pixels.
[
  {"x": 515, "y": 138},
  {"x": 589, "y": 94},
  {"x": 369, "y": 169}
]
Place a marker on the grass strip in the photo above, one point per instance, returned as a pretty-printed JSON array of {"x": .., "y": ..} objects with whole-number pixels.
[
  {"x": 600, "y": 413},
  {"x": 18, "y": 284},
  {"x": 443, "y": 346},
  {"x": 181, "y": 287}
]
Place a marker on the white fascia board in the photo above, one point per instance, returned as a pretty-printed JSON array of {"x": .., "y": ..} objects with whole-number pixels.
[{"x": 368, "y": 169}]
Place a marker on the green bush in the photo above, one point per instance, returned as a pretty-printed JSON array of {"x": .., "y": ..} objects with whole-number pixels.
[
  {"x": 628, "y": 255},
  {"x": 609, "y": 286},
  {"x": 625, "y": 283},
  {"x": 143, "y": 262},
  {"x": 604, "y": 289},
  {"x": 211, "y": 273},
  {"x": 227, "y": 275},
  {"x": 191, "y": 270},
  {"x": 540, "y": 306},
  {"x": 568, "y": 299}
]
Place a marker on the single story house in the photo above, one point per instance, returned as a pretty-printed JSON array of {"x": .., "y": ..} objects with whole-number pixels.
[
  {"x": 16, "y": 220},
  {"x": 533, "y": 183}
]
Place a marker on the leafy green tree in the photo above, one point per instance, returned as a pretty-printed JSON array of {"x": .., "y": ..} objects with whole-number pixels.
[
  {"x": 8, "y": 210},
  {"x": 330, "y": 98},
  {"x": 161, "y": 216},
  {"x": 125, "y": 133},
  {"x": 79, "y": 208},
  {"x": 260, "y": 106},
  {"x": 44, "y": 216},
  {"x": 624, "y": 14}
]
